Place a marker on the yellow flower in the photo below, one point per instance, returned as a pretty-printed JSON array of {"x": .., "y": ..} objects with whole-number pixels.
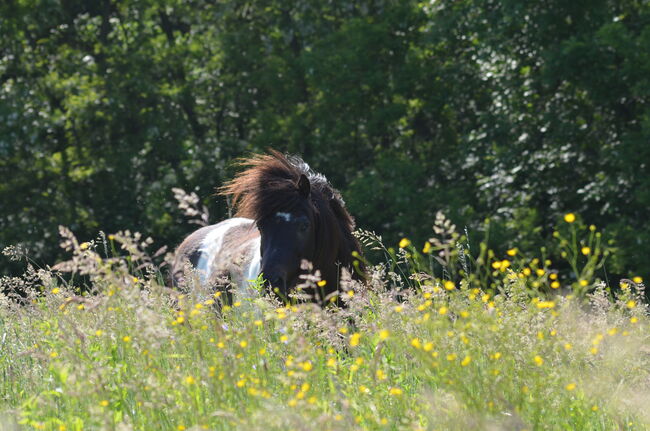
[
  {"x": 331, "y": 362},
  {"x": 416, "y": 343},
  {"x": 540, "y": 272},
  {"x": 354, "y": 339},
  {"x": 307, "y": 366},
  {"x": 321, "y": 283},
  {"x": 465, "y": 362},
  {"x": 381, "y": 375},
  {"x": 583, "y": 283},
  {"x": 442, "y": 310},
  {"x": 555, "y": 285},
  {"x": 570, "y": 386},
  {"x": 428, "y": 346},
  {"x": 449, "y": 285},
  {"x": 569, "y": 218},
  {"x": 99, "y": 332},
  {"x": 398, "y": 308},
  {"x": 594, "y": 408},
  {"x": 497, "y": 355},
  {"x": 84, "y": 245},
  {"x": 395, "y": 391},
  {"x": 512, "y": 252},
  {"x": 103, "y": 403},
  {"x": 634, "y": 319},
  {"x": 181, "y": 428},
  {"x": 55, "y": 291},
  {"x": 637, "y": 280},
  {"x": 451, "y": 357},
  {"x": 585, "y": 250},
  {"x": 384, "y": 334},
  {"x": 126, "y": 339},
  {"x": 631, "y": 304},
  {"x": 568, "y": 346},
  {"x": 243, "y": 344},
  {"x": 258, "y": 323},
  {"x": 190, "y": 380},
  {"x": 538, "y": 360},
  {"x": 526, "y": 272},
  {"x": 405, "y": 242},
  {"x": 427, "y": 248},
  {"x": 553, "y": 276}
]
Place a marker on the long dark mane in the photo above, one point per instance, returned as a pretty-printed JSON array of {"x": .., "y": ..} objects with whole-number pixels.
[{"x": 268, "y": 184}]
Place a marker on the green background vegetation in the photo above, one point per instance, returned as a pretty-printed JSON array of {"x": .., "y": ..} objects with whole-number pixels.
[{"x": 517, "y": 111}]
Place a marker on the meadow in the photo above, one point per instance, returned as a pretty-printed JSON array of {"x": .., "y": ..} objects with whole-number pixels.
[{"x": 438, "y": 337}]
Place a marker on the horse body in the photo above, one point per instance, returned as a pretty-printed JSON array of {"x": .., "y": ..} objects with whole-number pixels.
[
  {"x": 226, "y": 250},
  {"x": 285, "y": 213}
]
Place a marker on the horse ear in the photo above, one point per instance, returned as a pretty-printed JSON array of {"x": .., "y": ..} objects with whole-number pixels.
[{"x": 304, "y": 186}]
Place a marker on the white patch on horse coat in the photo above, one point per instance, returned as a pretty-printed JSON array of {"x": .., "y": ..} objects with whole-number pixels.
[
  {"x": 253, "y": 270},
  {"x": 286, "y": 216},
  {"x": 211, "y": 245}
]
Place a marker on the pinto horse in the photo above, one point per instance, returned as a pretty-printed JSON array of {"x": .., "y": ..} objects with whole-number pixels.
[{"x": 285, "y": 213}]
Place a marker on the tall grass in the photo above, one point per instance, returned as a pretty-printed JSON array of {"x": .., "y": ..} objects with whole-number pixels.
[{"x": 433, "y": 339}]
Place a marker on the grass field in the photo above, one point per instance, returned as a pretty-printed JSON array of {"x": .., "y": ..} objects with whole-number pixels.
[{"x": 435, "y": 339}]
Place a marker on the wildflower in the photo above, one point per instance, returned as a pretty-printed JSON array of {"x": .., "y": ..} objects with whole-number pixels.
[
  {"x": 569, "y": 218},
  {"x": 624, "y": 286},
  {"x": 585, "y": 250},
  {"x": 395, "y": 391},
  {"x": 343, "y": 330},
  {"x": 405, "y": 242},
  {"x": 84, "y": 245},
  {"x": 465, "y": 362},
  {"x": 427, "y": 248},
  {"x": 496, "y": 264},
  {"x": 190, "y": 380},
  {"x": 540, "y": 272},
  {"x": 237, "y": 304},
  {"x": 570, "y": 386},
  {"x": 512, "y": 252},
  {"x": 384, "y": 334},
  {"x": 442, "y": 310},
  {"x": 545, "y": 304},
  {"x": 593, "y": 350},
  {"x": 103, "y": 403},
  {"x": 630, "y": 304},
  {"x": 449, "y": 285},
  {"x": 555, "y": 285},
  {"x": 181, "y": 428},
  {"x": 55, "y": 291},
  {"x": 416, "y": 343},
  {"x": 350, "y": 293},
  {"x": 243, "y": 344},
  {"x": 451, "y": 357},
  {"x": 307, "y": 366},
  {"x": 553, "y": 276},
  {"x": 381, "y": 375},
  {"x": 126, "y": 339},
  {"x": 634, "y": 319},
  {"x": 258, "y": 323},
  {"x": 428, "y": 346},
  {"x": 637, "y": 280},
  {"x": 497, "y": 355},
  {"x": 331, "y": 362},
  {"x": 354, "y": 339},
  {"x": 612, "y": 332},
  {"x": 464, "y": 314},
  {"x": 99, "y": 332},
  {"x": 526, "y": 272},
  {"x": 538, "y": 360},
  {"x": 583, "y": 283},
  {"x": 594, "y": 408},
  {"x": 398, "y": 308},
  {"x": 568, "y": 346}
]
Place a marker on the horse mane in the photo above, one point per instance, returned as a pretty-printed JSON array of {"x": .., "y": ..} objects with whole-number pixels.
[{"x": 268, "y": 184}]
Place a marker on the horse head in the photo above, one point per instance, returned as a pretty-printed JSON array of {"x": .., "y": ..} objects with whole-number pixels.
[{"x": 288, "y": 237}]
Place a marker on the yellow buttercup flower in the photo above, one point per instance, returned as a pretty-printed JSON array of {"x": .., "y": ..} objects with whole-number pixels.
[
  {"x": 538, "y": 360},
  {"x": 569, "y": 218},
  {"x": 570, "y": 386},
  {"x": 585, "y": 250},
  {"x": 405, "y": 242},
  {"x": 427, "y": 248},
  {"x": 354, "y": 339}
]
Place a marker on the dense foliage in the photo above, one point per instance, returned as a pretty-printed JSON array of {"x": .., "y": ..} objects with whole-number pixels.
[{"x": 517, "y": 111}]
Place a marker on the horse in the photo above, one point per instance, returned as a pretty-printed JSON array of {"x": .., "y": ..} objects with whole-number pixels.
[{"x": 285, "y": 213}]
